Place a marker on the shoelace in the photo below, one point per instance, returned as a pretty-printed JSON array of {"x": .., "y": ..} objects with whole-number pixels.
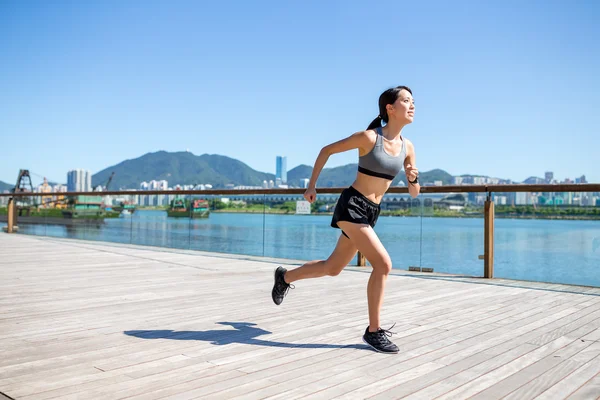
[
  {"x": 281, "y": 285},
  {"x": 383, "y": 334}
]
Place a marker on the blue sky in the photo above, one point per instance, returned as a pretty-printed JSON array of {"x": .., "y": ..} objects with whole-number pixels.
[{"x": 506, "y": 89}]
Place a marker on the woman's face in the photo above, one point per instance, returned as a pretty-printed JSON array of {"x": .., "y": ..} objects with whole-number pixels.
[{"x": 403, "y": 109}]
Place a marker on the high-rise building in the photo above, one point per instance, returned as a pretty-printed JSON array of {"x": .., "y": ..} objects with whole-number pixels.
[
  {"x": 305, "y": 182},
  {"x": 549, "y": 176},
  {"x": 521, "y": 198},
  {"x": 88, "y": 181},
  {"x": 281, "y": 168},
  {"x": 79, "y": 180}
]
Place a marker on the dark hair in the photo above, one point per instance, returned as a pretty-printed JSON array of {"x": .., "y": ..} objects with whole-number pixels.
[{"x": 388, "y": 97}]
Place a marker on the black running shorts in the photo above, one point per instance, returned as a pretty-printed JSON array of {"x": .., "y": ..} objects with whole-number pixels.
[{"x": 353, "y": 207}]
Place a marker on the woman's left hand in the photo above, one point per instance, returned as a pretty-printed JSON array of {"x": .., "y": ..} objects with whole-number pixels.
[{"x": 411, "y": 172}]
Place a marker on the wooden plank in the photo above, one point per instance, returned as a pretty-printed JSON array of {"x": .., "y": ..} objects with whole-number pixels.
[
  {"x": 473, "y": 380},
  {"x": 570, "y": 385},
  {"x": 524, "y": 371},
  {"x": 589, "y": 390},
  {"x": 552, "y": 376},
  {"x": 95, "y": 320}
]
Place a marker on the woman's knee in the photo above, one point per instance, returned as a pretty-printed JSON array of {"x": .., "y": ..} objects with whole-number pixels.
[
  {"x": 383, "y": 266},
  {"x": 333, "y": 268}
]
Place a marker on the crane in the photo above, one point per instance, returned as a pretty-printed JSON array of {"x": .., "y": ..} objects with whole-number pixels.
[
  {"x": 109, "y": 181},
  {"x": 24, "y": 184}
]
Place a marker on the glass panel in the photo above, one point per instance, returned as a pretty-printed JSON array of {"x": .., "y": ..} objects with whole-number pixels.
[
  {"x": 30, "y": 215},
  {"x": 298, "y": 230},
  {"x": 399, "y": 229},
  {"x": 88, "y": 217},
  {"x": 548, "y": 237},
  {"x": 233, "y": 224},
  {"x": 162, "y": 220},
  {"x": 452, "y": 233}
]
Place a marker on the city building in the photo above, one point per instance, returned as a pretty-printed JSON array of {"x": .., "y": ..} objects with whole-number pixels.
[
  {"x": 305, "y": 182},
  {"x": 163, "y": 185},
  {"x": 281, "y": 169},
  {"x": 44, "y": 201},
  {"x": 500, "y": 200},
  {"x": 79, "y": 180},
  {"x": 4, "y": 200},
  {"x": 549, "y": 176}
]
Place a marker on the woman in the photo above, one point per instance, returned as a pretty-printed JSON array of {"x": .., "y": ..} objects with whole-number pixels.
[{"x": 383, "y": 151}]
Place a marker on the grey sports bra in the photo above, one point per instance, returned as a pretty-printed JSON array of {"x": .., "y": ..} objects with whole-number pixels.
[{"x": 379, "y": 163}]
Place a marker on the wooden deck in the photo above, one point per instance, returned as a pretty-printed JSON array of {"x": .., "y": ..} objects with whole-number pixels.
[{"x": 90, "y": 320}]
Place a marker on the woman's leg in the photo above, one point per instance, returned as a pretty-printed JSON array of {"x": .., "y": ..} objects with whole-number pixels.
[
  {"x": 343, "y": 253},
  {"x": 366, "y": 241}
]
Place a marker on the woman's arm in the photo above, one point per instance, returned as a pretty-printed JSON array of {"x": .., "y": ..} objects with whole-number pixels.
[
  {"x": 411, "y": 171},
  {"x": 357, "y": 140}
]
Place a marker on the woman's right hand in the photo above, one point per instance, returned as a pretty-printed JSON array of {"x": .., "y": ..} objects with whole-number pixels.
[{"x": 310, "y": 195}]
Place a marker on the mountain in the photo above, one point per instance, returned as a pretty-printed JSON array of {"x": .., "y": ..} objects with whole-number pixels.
[
  {"x": 182, "y": 168},
  {"x": 295, "y": 175},
  {"x": 534, "y": 180},
  {"x": 5, "y": 186},
  {"x": 344, "y": 176},
  {"x": 432, "y": 176},
  {"x": 185, "y": 168},
  {"x": 329, "y": 177}
]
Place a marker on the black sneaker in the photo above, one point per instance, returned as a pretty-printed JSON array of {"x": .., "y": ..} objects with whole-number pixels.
[
  {"x": 379, "y": 340},
  {"x": 280, "y": 288}
]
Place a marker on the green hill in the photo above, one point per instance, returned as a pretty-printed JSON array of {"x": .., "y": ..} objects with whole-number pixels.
[
  {"x": 345, "y": 175},
  {"x": 5, "y": 186},
  {"x": 329, "y": 177},
  {"x": 182, "y": 168},
  {"x": 185, "y": 168}
]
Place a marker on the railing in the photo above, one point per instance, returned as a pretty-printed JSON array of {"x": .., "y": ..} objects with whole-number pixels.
[{"x": 446, "y": 240}]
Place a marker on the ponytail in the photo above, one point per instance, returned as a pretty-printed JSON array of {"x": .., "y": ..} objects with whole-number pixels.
[{"x": 376, "y": 123}]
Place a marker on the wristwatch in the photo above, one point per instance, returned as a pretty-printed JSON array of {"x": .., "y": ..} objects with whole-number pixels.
[{"x": 415, "y": 181}]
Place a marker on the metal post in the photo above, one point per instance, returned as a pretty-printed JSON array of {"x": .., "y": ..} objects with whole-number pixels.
[
  {"x": 11, "y": 215},
  {"x": 488, "y": 218}
]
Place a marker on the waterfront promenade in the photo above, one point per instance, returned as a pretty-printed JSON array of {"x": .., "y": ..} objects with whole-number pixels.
[{"x": 94, "y": 320}]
